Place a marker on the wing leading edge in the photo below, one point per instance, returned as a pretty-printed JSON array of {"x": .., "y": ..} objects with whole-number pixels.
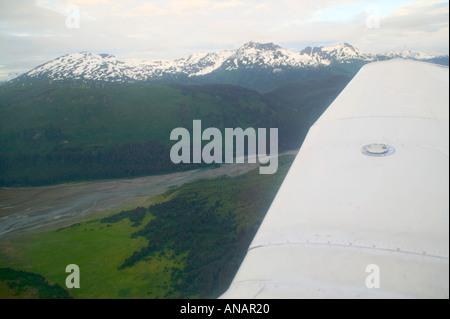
[{"x": 364, "y": 209}]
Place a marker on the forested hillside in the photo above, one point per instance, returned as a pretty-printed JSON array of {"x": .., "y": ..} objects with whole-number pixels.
[{"x": 57, "y": 132}]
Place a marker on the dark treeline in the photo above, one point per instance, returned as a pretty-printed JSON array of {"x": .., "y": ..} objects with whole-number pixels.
[
  {"x": 212, "y": 223},
  {"x": 28, "y": 285},
  {"x": 128, "y": 160},
  {"x": 136, "y": 216},
  {"x": 214, "y": 246}
]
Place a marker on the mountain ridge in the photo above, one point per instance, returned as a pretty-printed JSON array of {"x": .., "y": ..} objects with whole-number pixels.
[
  {"x": 54, "y": 132},
  {"x": 87, "y": 66}
]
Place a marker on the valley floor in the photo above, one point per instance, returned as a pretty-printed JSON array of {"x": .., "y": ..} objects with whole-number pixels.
[
  {"x": 37, "y": 209},
  {"x": 187, "y": 244}
]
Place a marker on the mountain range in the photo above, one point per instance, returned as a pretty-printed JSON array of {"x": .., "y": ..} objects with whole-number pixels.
[
  {"x": 91, "y": 116},
  {"x": 222, "y": 67}
]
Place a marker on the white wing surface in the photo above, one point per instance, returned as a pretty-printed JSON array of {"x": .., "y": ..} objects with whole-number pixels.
[{"x": 364, "y": 209}]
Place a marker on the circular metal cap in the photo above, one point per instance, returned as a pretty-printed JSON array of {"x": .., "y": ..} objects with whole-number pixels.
[{"x": 378, "y": 150}]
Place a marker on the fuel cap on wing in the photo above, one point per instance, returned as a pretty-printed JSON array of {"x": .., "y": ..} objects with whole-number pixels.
[{"x": 378, "y": 150}]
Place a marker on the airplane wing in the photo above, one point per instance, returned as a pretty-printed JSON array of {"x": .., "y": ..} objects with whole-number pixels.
[{"x": 364, "y": 210}]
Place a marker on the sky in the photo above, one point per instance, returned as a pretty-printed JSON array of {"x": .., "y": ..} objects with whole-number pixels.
[{"x": 33, "y": 32}]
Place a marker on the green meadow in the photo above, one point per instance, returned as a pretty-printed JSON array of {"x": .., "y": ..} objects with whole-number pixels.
[
  {"x": 187, "y": 244},
  {"x": 98, "y": 249}
]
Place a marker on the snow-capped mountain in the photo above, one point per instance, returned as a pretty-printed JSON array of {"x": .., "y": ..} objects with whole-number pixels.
[
  {"x": 105, "y": 67},
  {"x": 87, "y": 66},
  {"x": 269, "y": 55},
  {"x": 343, "y": 53}
]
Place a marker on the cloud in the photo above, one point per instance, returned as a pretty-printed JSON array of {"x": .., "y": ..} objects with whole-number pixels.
[
  {"x": 427, "y": 16},
  {"x": 228, "y": 4},
  {"x": 413, "y": 8},
  {"x": 176, "y": 28},
  {"x": 189, "y": 4},
  {"x": 420, "y": 25}
]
